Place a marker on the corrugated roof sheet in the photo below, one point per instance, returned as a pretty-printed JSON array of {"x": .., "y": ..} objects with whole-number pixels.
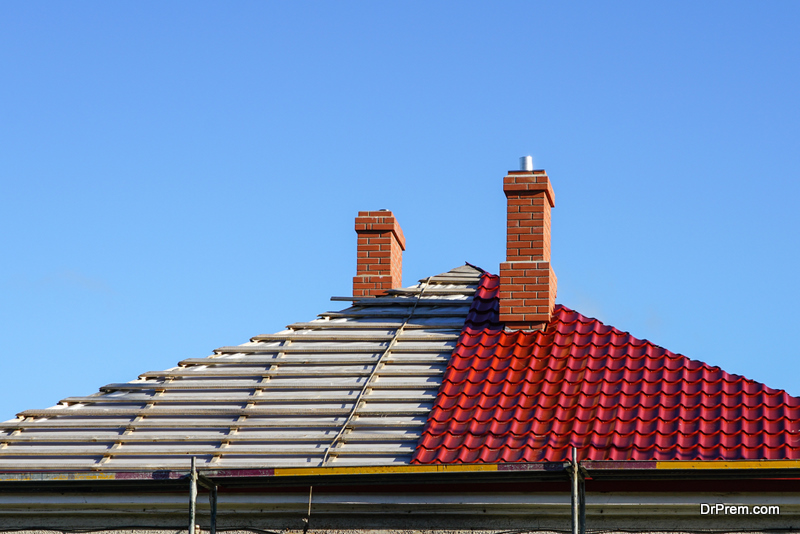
[
  {"x": 531, "y": 396},
  {"x": 354, "y": 387}
]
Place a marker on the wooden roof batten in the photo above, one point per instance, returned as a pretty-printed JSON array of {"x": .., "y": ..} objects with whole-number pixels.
[
  {"x": 362, "y": 382},
  {"x": 371, "y": 378}
]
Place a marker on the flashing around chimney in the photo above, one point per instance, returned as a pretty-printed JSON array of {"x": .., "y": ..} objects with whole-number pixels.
[
  {"x": 379, "y": 253},
  {"x": 527, "y": 282}
]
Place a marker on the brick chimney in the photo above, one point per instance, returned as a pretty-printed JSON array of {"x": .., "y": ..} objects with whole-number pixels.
[
  {"x": 380, "y": 253},
  {"x": 527, "y": 281}
]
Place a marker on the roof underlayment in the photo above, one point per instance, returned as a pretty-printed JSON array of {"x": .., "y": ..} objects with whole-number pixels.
[{"x": 353, "y": 387}]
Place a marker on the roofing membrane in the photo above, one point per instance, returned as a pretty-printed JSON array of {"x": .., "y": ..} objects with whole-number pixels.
[
  {"x": 352, "y": 388},
  {"x": 532, "y": 396}
]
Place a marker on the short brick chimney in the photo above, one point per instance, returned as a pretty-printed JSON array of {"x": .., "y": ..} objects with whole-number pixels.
[
  {"x": 527, "y": 281},
  {"x": 380, "y": 253}
]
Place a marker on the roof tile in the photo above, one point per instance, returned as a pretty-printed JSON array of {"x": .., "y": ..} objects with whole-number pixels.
[{"x": 531, "y": 396}]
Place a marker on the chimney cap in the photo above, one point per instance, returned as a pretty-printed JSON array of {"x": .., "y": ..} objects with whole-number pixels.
[{"x": 526, "y": 163}]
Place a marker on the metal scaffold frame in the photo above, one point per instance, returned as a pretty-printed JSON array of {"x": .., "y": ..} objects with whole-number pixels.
[
  {"x": 578, "y": 478},
  {"x": 194, "y": 480}
]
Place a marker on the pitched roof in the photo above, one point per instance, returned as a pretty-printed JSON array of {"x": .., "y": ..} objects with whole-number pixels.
[
  {"x": 423, "y": 375},
  {"x": 353, "y": 387},
  {"x": 532, "y": 396}
]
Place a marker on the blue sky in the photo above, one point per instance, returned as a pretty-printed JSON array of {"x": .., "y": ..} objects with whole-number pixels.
[{"x": 179, "y": 176}]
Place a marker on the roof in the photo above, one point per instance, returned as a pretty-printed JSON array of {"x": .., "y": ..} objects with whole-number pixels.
[
  {"x": 532, "y": 396},
  {"x": 353, "y": 387},
  {"x": 423, "y": 375}
]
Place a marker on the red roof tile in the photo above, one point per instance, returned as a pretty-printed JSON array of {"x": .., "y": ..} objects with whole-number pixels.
[{"x": 531, "y": 396}]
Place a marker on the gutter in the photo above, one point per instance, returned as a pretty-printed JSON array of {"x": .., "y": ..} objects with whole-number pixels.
[{"x": 598, "y": 469}]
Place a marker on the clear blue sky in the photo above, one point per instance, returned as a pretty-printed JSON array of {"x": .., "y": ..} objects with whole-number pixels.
[{"x": 178, "y": 176}]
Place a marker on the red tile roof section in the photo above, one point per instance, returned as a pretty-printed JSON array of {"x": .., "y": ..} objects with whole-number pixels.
[{"x": 531, "y": 396}]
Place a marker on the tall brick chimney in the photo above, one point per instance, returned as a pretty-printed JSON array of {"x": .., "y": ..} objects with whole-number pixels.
[
  {"x": 380, "y": 253},
  {"x": 527, "y": 281}
]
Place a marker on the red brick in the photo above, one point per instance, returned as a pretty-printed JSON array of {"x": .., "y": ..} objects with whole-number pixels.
[
  {"x": 537, "y": 287},
  {"x": 514, "y": 287},
  {"x": 527, "y": 282},
  {"x": 380, "y": 246}
]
